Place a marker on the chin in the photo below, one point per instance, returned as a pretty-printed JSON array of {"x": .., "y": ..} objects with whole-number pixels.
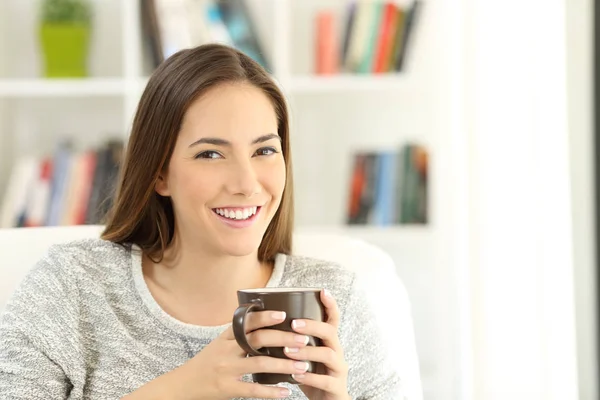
[{"x": 241, "y": 249}]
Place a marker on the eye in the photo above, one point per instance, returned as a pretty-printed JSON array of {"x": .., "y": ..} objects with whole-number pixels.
[
  {"x": 266, "y": 151},
  {"x": 209, "y": 154}
]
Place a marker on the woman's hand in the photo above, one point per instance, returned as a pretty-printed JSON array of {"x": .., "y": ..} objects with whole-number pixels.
[
  {"x": 218, "y": 369},
  {"x": 333, "y": 384},
  {"x": 216, "y": 372}
]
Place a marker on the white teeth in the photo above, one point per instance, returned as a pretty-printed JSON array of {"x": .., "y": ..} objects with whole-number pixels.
[{"x": 242, "y": 214}]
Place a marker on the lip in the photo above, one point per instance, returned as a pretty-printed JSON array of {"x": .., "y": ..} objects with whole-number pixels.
[
  {"x": 235, "y": 223},
  {"x": 237, "y": 207}
]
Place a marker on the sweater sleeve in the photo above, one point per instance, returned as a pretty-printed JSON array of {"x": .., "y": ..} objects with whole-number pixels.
[
  {"x": 36, "y": 336},
  {"x": 371, "y": 375}
]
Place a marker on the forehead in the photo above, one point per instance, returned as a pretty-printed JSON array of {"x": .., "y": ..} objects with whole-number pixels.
[{"x": 233, "y": 110}]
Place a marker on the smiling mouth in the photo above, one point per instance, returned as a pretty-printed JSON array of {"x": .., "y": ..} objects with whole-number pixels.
[{"x": 237, "y": 213}]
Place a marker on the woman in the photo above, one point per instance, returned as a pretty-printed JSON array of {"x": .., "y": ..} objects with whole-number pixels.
[{"x": 204, "y": 207}]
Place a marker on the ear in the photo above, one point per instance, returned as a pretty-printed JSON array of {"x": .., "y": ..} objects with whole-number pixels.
[{"x": 161, "y": 186}]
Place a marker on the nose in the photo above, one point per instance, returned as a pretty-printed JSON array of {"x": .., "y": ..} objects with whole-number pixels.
[{"x": 243, "y": 179}]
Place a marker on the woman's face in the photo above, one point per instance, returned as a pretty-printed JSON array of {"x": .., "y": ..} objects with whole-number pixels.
[{"x": 227, "y": 172}]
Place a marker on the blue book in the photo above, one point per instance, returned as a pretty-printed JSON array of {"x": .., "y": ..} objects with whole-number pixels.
[
  {"x": 385, "y": 192},
  {"x": 237, "y": 18},
  {"x": 58, "y": 185}
]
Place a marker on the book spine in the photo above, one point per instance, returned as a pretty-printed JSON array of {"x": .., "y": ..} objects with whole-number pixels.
[
  {"x": 386, "y": 38},
  {"x": 409, "y": 24},
  {"x": 357, "y": 186},
  {"x": 372, "y": 36},
  {"x": 326, "y": 44}
]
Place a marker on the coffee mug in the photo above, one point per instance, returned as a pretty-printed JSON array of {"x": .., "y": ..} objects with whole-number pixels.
[{"x": 297, "y": 303}]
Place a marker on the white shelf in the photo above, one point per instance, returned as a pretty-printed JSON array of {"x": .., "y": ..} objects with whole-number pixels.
[
  {"x": 345, "y": 82},
  {"x": 375, "y": 233},
  {"x": 85, "y": 87}
]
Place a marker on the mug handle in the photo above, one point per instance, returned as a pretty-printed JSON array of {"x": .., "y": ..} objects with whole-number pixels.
[{"x": 239, "y": 327}]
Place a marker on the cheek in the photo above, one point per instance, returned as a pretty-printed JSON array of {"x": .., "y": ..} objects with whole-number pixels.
[
  {"x": 196, "y": 184},
  {"x": 276, "y": 178}
]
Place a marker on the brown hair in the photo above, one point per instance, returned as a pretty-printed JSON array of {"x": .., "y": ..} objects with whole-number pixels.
[{"x": 140, "y": 215}]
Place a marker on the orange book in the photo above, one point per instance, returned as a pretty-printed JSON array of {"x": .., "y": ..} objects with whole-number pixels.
[
  {"x": 385, "y": 41},
  {"x": 357, "y": 186},
  {"x": 327, "y": 57}
]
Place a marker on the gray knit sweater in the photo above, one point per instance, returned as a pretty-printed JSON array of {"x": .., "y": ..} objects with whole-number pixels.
[{"x": 83, "y": 325}]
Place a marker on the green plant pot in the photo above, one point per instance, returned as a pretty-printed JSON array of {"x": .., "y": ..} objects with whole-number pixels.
[{"x": 65, "y": 49}]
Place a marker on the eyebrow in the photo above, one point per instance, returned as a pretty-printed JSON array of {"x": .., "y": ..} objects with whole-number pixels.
[{"x": 223, "y": 142}]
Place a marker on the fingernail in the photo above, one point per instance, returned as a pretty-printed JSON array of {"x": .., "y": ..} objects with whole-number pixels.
[
  {"x": 292, "y": 349},
  {"x": 285, "y": 392},
  {"x": 301, "y": 339},
  {"x": 301, "y": 365},
  {"x": 298, "y": 323},
  {"x": 298, "y": 377},
  {"x": 278, "y": 315},
  {"x": 327, "y": 293}
]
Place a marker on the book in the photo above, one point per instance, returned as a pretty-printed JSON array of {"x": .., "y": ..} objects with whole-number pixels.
[
  {"x": 409, "y": 23},
  {"x": 63, "y": 158},
  {"x": 372, "y": 36},
  {"x": 327, "y": 55},
  {"x": 384, "y": 209},
  {"x": 217, "y": 30},
  {"x": 359, "y": 35},
  {"x": 398, "y": 40},
  {"x": 348, "y": 29},
  {"x": 18, "y": 191},
  {"x": 108, "y": 162},
  {"x": 357, "y": 185},
  {"x": 150, "y": 32},
  {"x": 37, "y": 204},
  {"x": 236, "y": 17},
  {"x": 385, "y": 42},
  {"x": 413, "y": 192},
  {"x": 389, "y": 187}
]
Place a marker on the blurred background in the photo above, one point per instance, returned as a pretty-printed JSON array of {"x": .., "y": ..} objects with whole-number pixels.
[{"x": 457, "y": 135}]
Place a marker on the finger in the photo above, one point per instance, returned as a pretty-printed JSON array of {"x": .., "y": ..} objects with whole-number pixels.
[
  {"x": 256, "y": 390},
  {"x": 331, "y": 307},
  {"x": 322, "y": 330},
  {"x": 326, "y": 383},
  {"x": 261, "y": 319},
  {"x": 231, "y": 344},
  {"x": 332, "y": 360},
  {"x": 256, "y": 320},
  {"x": 276, "y": 338},
  {"x": 266, "y": 364}
]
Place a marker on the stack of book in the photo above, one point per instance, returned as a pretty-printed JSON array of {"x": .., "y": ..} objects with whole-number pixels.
[
  {"x": 375, "y": 37},
  {"x": 66, "y": 188},
  {"x": 172, "y": 25},
  {"x": 388, "y": 188}
]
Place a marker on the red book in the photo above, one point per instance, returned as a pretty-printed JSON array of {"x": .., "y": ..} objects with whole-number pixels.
[
  {"x": 327, "y": 51},
  {"x": 83, "y": 196},
  {"x": 385, "y": 40}
]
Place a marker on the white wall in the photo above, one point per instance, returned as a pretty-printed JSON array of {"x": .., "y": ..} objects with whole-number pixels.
[
  {"x": 580, "y": 93},
  {"x": 521, "y": 243}
]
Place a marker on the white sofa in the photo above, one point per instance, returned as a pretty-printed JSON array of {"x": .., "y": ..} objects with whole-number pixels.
[{"x": 21, "y": 248}]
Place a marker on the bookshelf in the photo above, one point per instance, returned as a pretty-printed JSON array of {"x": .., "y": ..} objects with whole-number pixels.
[
  {"x": 32, "y": 88},
  {"x": 343, "y": 83},
  {"x": 331, "y": 116}
]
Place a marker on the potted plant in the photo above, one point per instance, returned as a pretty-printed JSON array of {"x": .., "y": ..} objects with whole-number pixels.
[{"x": 65, "y": 36}]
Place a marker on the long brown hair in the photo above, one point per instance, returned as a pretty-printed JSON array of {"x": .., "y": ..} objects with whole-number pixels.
[{"x": 140, "y": 215}]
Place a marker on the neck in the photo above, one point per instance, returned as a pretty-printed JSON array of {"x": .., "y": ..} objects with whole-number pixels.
[{"x": 199, "y": 275}]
